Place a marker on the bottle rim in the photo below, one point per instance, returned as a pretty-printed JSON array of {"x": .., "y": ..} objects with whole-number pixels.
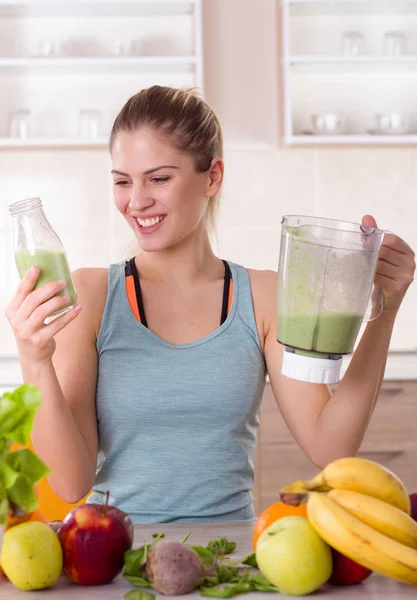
[{"x": 24, "y": 205}]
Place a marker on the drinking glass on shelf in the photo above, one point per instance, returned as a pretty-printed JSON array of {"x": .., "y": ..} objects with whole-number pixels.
[
  {"x": 394, "y": 43},
  {"x": 116, "y": 48},
  {"x": 19, "y": 124},
  {"x": 353, "y": 43},
  {"x": 89, "y": 124},
  {"x": 47, "y": 48},
  {"x": 393, "y": 123}
]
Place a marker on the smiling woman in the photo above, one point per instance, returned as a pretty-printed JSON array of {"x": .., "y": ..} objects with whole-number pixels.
[{"x": 153, "y": 390}]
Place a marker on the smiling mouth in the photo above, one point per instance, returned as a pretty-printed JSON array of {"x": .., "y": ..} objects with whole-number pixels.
[{"x": 150, "y": 222}]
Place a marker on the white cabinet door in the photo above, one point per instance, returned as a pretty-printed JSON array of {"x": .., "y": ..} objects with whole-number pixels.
[{"x": 352, "y": 183}]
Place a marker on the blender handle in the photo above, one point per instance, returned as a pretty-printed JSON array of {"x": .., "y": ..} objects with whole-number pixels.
[
  {"x": 376, "y": 302},
  {"x": 375, "y": 306}
]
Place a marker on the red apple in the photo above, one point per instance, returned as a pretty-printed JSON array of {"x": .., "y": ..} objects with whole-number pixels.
[
  {"x": 413, "y": 501},
  {"x": 346, "y": 571},
  {"x": 94, "y": 539}
]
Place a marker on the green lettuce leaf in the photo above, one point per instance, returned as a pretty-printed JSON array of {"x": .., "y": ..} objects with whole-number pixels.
[
  {"x": 22, "y": 494},
  {"x": 26, "y": 462},
  {"x": 17, "y": 411},
  {"x": 20, "y": 470}
]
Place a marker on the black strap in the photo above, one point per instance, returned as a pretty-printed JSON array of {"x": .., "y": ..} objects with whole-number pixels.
[
  {"x": 131, "y": 266},
  {"x": 130, "y": 270},
  {"x": 226, "y": 288}
]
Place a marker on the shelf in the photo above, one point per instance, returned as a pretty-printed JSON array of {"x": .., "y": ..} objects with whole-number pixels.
[
  {"x": 329, "y": 7},
  {"x": 331, "y": 3},
  {"x": 28, "y": 143},
  {"x": 354, "y": 139},
  {"x": 295, "y": 140},
  {"x": 356, "y": 64},
  {"x": 351, "y": 61},
  {"x": 35, "y": 8},
  {"x": 101, "y": 62}
]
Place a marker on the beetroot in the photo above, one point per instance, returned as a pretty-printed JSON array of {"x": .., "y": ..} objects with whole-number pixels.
[{"x": 174, "y": 568}]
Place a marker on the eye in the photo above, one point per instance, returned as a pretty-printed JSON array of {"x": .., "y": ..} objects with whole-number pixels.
[
  {"x": 159, "y": 179},
  {"x": 121, "y": 182}
]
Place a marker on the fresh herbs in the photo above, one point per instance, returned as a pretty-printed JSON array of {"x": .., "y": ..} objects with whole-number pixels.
[
  {"x": 22, "y": 469},
  {"x": 138, "y": 595},
  {"x": 135, "y": 563},
  {"x": 221, "y": 545},
  {"x": 225, "y": 577}
]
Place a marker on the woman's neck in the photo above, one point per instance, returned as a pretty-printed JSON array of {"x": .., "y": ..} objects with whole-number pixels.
[{"x": 181, "y": 264}]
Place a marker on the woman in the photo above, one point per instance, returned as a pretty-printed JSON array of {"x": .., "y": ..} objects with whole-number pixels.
[{"x": 152, "y": 391}]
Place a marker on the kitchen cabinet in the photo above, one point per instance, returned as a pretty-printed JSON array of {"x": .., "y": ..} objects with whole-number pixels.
[
  {"x": 378, "y": 76},
  {"x": 390, "y": 440},
  {"x": 71, "y": 65}
]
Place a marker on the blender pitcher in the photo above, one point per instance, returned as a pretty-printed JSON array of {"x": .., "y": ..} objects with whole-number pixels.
[{"x": 325, "y": 283}]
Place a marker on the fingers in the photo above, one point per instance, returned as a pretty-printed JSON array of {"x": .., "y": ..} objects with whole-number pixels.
[
  {"x": 43, "y": 336},
  {"x": 398, "y": 244},
  {"x": 46, "y": 309},
  {"x": 38, "y": 297},
  {"x": 390, "y": 276},
  {"x": 369, "y": 221},
  {"x": 393, "y": 257},
  {"x": 24, "y": 288},
  {"x": 385, "y": 269}
]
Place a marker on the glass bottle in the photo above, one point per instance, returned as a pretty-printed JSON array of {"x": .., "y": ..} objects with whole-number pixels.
[{"x": 36, "y": 243}]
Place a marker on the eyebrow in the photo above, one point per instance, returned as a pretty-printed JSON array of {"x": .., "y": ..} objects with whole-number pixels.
[{"x": 148, "y": 171}]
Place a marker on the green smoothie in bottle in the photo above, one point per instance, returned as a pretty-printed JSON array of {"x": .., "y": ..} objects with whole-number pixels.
[
  {"x": 53, "y": 266},
  {"x": 37, "y": 244}
]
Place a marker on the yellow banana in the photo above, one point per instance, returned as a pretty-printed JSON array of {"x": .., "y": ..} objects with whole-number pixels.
[
  {"x": 355, "y": 474},
  {"x": 359, "y": 541},
  {"x": 379, "y": 515}
]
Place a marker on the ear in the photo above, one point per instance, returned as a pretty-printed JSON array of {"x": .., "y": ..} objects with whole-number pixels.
[{"x": 215, "y": 177}]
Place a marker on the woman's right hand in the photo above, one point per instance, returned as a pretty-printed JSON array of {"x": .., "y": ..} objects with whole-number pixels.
[{"x": 27, "y": 312}]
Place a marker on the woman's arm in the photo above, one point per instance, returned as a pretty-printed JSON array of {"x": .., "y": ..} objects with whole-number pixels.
[
  {"x": 63, "y": 364},
  {"x": 326, "y": 426}
]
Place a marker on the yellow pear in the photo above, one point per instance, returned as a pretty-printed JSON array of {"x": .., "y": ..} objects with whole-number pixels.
[{"x": 31, "y": 556}]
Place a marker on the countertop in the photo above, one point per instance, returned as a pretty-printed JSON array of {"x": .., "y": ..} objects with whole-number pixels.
[{"x": 376, "y": 587}]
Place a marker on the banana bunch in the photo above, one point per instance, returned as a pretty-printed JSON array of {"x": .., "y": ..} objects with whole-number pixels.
[{"x": 362, "y": 509}]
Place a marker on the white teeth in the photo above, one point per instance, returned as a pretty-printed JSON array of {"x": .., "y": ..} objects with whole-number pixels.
[{"x": 149, "y": 222}]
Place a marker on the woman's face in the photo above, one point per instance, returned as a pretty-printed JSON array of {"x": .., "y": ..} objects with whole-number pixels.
[{"x": 158, "y": 191}]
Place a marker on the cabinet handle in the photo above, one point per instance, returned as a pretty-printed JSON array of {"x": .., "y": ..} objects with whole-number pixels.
[
  {"x": 393, "y": 391},
  {"x": 381, "y": 455}
]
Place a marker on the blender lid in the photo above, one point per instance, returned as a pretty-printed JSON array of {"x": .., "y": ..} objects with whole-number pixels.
[{"x": 310, "y": 369}]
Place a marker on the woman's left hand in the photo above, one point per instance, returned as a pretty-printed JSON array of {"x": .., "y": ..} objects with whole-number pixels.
[{"x": 395, "y": 267}]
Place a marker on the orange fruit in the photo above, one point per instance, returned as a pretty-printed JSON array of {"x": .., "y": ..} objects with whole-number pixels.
[
  {"x": 34, "y": 516},
  {"x": 273, "y": 513}
]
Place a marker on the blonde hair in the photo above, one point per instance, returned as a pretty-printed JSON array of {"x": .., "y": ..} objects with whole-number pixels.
[{"x": 183, "y": 117}]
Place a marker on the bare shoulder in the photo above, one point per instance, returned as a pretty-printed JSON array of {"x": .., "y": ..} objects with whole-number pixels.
[
  {"x": 262, "y": 281},
  {"x": 91, "y": 286},
  {"x": 264, "y": 292}
]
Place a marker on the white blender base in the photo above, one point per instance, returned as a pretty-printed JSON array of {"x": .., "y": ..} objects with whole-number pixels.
[{"x": 312, "y": 370}]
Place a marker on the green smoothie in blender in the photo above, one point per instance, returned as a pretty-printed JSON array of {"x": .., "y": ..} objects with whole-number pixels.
[{"x": 327, "y": 333}]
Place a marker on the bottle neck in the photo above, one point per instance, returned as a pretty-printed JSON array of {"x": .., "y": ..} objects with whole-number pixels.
[
  {"x": 32, "y": 230},
  {"x": 17, "y": 208}
]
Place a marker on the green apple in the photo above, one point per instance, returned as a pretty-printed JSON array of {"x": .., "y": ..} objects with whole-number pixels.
[{"x": 293, "y": 557}]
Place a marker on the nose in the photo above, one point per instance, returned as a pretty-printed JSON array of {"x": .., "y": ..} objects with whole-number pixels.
[{"x": 140, "y": 199}]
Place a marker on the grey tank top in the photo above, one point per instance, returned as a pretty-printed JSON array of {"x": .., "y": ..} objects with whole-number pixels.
[{"x": 177, "y": 423}]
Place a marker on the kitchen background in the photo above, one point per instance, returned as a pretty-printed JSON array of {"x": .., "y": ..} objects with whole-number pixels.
[{"x": 265, "y": 66}]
